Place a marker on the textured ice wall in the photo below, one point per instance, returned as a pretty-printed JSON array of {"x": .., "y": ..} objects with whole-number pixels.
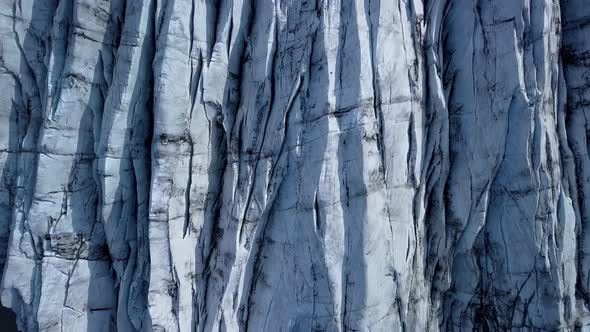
[{"x": 329, "y": 165}]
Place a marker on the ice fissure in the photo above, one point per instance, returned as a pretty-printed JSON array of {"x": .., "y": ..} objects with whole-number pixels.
[{"x": 300, "y": 165}]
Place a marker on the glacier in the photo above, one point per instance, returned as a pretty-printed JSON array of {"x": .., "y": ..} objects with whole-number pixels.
[{"x": 295, "y": 165}]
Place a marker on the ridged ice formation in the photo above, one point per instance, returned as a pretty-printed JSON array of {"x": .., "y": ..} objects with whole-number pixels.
[{"x": 295, "y": 165}]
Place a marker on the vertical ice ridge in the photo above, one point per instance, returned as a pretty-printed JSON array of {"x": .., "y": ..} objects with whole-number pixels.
[
  {"x": 122, "y": 154},
  {"x": 334, "y": 165},
  {"x": 24, "y": 61},
  {"x": 574, "y": 55},
  {"x": 521, "y": 170},
  {"x": 436, "y": 160}
]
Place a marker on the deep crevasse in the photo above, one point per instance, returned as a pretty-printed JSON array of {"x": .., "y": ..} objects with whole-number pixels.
[{"x": 230, "y": 165}]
